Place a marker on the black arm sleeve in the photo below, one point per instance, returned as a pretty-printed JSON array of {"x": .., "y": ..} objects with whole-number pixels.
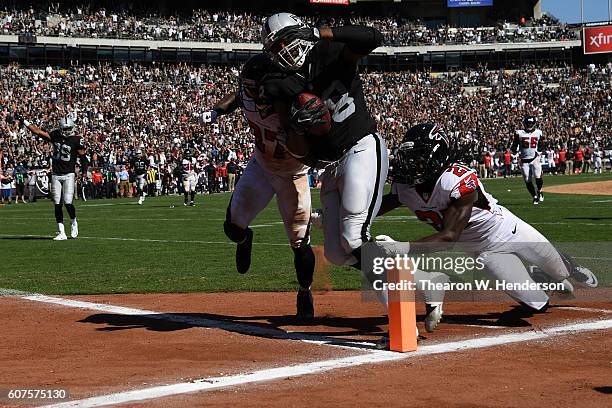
[
  {"x": 515, "y": 144},
  {"x": 84, "y": 163},
  {"x": 228, "y": 104},
  {"x": 540, "y": 143},
  {"x": 359, "y": 39}
]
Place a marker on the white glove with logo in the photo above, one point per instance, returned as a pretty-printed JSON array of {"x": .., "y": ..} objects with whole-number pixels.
[{"x": 209, "y": 117}]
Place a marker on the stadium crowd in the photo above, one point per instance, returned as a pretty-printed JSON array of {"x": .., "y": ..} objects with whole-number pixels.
[
  {"x": 224, "y": 26},
  {"x": 157, "y": 108}
]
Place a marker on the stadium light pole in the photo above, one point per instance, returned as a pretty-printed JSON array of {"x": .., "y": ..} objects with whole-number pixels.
[{"x": 582, "y": 12}]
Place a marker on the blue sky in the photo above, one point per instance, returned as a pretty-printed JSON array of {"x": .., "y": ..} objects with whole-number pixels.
[{"x": 568, "y": 11}]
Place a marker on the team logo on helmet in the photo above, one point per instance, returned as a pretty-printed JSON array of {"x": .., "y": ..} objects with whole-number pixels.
[{"x": 423, "y": 154}]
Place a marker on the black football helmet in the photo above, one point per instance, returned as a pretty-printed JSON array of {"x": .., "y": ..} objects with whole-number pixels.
[
  {"x": 250, "y": 80},
  {"x": 425, "y": 152},
  {"x": 529, "y": 123}
]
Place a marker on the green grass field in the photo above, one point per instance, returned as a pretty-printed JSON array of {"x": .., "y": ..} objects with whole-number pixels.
[{"x": 155, "y": 248}]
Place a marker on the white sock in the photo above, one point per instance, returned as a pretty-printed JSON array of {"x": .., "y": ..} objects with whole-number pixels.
[
  {"x": 74, "y": 222},
  {"x": 60, "y": 227}
]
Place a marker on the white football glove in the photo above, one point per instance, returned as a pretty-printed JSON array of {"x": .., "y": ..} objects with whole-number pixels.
[
  {"x": 384, "y": 238},
  {"x": 209, "y": 117},
  {"x": 316, "y": 218}
]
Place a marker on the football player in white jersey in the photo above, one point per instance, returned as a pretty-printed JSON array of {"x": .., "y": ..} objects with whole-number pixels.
[
  {"x": 451, "y": 198},
  {"x": 271, "y": 171},
  {"x": 189, "y": 176},
  {"x": 527, "y": 142}
]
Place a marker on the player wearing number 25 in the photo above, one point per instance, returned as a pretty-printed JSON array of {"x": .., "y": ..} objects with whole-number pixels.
[{"x": 66, "y": 148}]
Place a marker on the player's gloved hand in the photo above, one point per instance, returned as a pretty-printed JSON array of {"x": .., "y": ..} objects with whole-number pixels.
[
  {"x": 290, "y": 33},
  {"x": 390, "y": 247},
  {"x": 306, "y": 117},
  {"x": 316, "y": 218},
  {"x": 18, "y": 117}
]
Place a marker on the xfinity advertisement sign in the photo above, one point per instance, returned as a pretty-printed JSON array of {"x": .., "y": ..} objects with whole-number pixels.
[{"x": 469, "y": 3}]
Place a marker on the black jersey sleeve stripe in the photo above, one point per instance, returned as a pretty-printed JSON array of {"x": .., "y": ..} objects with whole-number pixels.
[{"x": 364, "y": 228}]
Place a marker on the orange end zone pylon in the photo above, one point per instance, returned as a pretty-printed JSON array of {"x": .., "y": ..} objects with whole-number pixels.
[{"x": 402, "y": 313}]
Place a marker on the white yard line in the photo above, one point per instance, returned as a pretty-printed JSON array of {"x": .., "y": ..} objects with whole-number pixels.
[
  {"x": 585, "y": 309},
  {"x": 167, "y": 241},
  {"x": 298, "y": 370}
]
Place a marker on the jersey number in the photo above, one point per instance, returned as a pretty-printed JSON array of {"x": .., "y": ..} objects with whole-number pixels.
[
  {"x": 343, "y": 106},
  {"x": 62, "y": 152},
  {"x": 529, "y": 142},
  {"x": 269, "y": 135},
  {"x": 458, "y": 170},
  {"x": 430, "y": 217}
]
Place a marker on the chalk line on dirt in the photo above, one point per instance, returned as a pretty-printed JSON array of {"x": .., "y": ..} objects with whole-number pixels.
[{"x": 212, "y": 383}]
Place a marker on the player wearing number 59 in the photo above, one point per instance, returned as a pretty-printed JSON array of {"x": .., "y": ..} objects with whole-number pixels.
[
  {"x": 323, "y": 62},
  {"x": 66, "y": 148}
]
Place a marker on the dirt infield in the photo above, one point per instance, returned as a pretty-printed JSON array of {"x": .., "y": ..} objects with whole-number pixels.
[
  {"x": 589, "y": 188},
  {"x": 96, "y": 345}
]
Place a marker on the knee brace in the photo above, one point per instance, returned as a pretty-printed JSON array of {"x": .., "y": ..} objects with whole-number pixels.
[{"x": 304, "y": 262}]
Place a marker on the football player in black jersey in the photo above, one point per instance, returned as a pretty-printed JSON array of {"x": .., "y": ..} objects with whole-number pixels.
[
  {"x": 139, "y": 166},
  {"x": 66, "y": 148},
  {"x": 189, "y": 176},
  {"x": 324, "y": 62}
]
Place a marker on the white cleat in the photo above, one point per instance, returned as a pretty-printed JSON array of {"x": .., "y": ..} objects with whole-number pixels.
[
  {"x": 74, "y": 229},
  {"x": 541, "y": 197},
  {"x": 140, "y": 201},
  {"x": 433, "y": 315},
  {"x": 567, "y": 289},
  {"x": 61, "y": 236},
  {"x": 584, "y": 277}
]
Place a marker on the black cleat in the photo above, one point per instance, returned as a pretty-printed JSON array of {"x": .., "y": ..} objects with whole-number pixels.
[
  {"x": 243, "y": 253},
  {"x": 304, "y": 304}
]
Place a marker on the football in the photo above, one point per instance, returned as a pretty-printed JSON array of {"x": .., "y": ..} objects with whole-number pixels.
[{"x": 323, "y": 128}]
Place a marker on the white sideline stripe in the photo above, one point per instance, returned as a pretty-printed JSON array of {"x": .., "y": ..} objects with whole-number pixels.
[
  {"x": 104, "y": 219},
  {"x": 167, "y": 241},
  {"x": 207, "y": 323},
  {"x": 602, "y": 201},
  {"x": 279, "y": 373},
  {"x": 599, "y": 224},
  {"x": 585, "y": 309}
]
